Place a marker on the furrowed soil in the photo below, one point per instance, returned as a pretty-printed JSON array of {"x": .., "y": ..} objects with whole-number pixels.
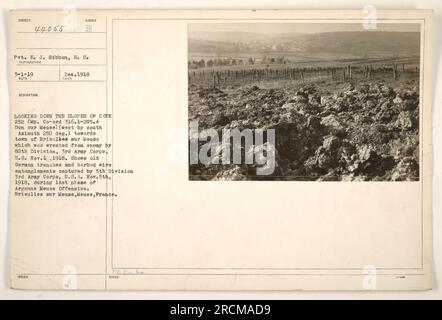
[{"x": 324, "y": 130}]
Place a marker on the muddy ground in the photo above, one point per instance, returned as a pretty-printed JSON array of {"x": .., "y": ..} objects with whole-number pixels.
[{"x": 325, "y": 130}]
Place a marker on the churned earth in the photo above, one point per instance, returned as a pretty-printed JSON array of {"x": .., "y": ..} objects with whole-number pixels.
[{"x": 344, "y": 131}]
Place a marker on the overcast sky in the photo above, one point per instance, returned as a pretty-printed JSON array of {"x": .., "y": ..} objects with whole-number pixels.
[{"x": 285, "y": 27}]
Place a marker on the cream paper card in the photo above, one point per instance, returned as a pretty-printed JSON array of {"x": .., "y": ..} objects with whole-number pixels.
[{"x": 124, "y": 176}]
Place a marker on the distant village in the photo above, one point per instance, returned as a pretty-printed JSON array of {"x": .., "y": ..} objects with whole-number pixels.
[
  {"x": 271, "y": 54},
  {"x": 227, "y": 61}
]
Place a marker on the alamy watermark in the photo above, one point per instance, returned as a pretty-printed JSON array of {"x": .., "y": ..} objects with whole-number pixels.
[
  {"x": 369, "y": 21},
  {"x": 208, "y": 148}
]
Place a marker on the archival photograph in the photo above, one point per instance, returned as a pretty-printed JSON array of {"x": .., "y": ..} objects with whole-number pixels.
[{"x": 303, "y": 101}]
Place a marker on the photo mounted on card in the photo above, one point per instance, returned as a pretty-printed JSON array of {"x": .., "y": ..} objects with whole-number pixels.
[
  {"x": 335, "y": 102},
  {"x": 221, "y": 149}
]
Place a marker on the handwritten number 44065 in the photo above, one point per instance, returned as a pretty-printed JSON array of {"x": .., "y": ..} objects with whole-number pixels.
[{"x": 52, "y": 28}]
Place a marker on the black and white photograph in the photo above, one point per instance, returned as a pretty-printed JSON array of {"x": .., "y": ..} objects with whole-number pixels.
[
  {"x": 126, "y": 129},
  {"x": 304, "y": 101}
]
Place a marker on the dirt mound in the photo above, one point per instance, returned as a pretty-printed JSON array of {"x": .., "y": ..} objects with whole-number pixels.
[{"x": 363, "y": 131}]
